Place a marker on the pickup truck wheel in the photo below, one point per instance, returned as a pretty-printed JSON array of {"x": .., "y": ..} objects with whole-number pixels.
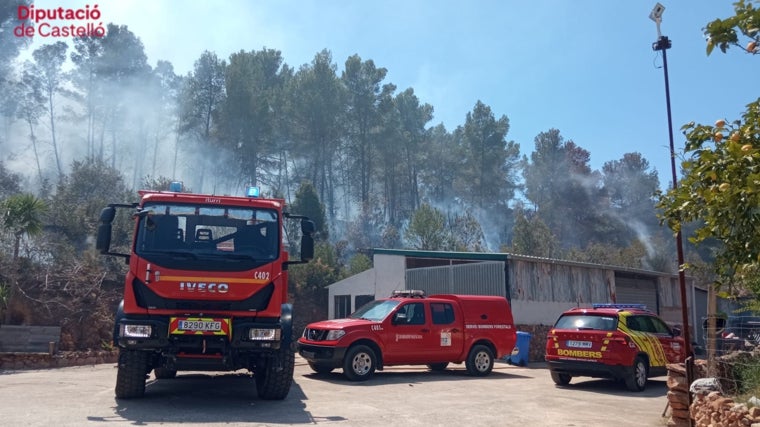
[
  {"x": 275, "y": 375},
  {"x": 360, "y": 363},
  {"x": 438, "y": 366},
  {"x": 480, "y": 361},
  {"x": 130, "y": 378},
  {"x": 164, "y": 373},
  {"x": 637, "y": 381},
  {"x": 320, "y": 368},
  {"x": 561, "y": 379}
]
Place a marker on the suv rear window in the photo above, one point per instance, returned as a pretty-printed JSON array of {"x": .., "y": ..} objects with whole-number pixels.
[{"x": 586, "y": 321}]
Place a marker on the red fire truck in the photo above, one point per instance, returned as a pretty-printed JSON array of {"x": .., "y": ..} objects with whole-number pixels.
[{"x": 206, "y": 288}]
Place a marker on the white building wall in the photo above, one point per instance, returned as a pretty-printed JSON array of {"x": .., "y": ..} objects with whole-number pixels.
[{"x": 388, "y": 275}]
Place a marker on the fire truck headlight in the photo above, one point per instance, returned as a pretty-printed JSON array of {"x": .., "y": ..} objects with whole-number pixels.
[
  {"x": 258, "y": 334},
  {"x": 135, "y": 331},
  {"x": 335, "y": 335}
]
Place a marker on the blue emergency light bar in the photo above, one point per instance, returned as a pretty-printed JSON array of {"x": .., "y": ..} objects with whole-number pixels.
[
  {"x": 620, "y": 306},
  {"x": 175, "y": 186},
  {"x": 252, "y": 192}
]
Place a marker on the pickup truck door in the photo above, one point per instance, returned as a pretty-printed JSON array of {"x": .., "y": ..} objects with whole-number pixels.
[
  {"x": 446, "y": 339},
  {"x": 407, "y": 335}
]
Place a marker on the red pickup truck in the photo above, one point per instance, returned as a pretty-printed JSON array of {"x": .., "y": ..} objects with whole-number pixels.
[{"x": 412, "y": 329}]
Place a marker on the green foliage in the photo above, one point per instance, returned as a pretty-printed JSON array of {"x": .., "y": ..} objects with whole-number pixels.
[
  {"x": 531, "y": 236},
  {"x": 22, "y": 215},
  {"x": 487, "y": 178},
  {"x": 466, "y": 233},
  {"x": 723, "y": 32},
  {"x": 721, "y": 191},
  {"x": 314, "y": 277},
  {"x": 427, "y": 230},
  {"x": 307, "y": 203},
  {"x": 359, "y": 263}
]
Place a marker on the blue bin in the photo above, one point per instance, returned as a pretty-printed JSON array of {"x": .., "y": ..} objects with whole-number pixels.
[{"x": 522, "y": 350}]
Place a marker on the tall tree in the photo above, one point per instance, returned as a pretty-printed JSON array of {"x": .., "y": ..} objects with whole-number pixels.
[
  {"x": 564, "y": 190},
  {"x": 427, "y": 230},
  {"x": 488, "y": 178},
  {"x": 248, "y": 124},
  {"x": 441, "y": 163},
  {"x": 201, "y": 97},
  {"x": 88, "y": 86},
  {"x": 362, "y": 80},
  {"x": 30, "y": 107},
  {"x": 630, "y": 186},
  {"x": 48, "y": 62},
  {"x": 122, "y": 69},
  {"x": 412, "y": 141},
  {"x": 316, "y": 104}
]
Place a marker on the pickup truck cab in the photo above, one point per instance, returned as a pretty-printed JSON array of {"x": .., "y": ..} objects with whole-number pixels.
[{"x": 411, "y": 329}]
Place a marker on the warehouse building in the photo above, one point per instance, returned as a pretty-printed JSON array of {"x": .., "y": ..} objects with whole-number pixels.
[{"x": 539, "y": 289}]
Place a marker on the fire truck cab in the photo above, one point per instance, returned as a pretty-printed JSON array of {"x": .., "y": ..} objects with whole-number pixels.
[{"x": 206, "y": 288}]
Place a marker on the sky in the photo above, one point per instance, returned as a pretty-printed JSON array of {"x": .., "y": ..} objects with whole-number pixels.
[{"x": 585, "y": 67}]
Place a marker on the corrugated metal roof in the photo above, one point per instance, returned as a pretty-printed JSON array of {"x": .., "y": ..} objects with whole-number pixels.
[{"x": 491, "y": 256}]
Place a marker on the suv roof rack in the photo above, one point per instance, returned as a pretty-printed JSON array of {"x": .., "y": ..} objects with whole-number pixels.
[
  {"x": 408, "y": 293},
  {"x": 621, "y": 306}
]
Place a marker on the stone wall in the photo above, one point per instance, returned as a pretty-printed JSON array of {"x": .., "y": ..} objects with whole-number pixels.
[
  {"x": 707, "y": 409},
  {"x": 22, "y": 361}
]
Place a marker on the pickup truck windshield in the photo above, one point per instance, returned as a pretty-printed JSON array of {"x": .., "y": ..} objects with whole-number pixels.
[
  {"x": 375, "y": 310},
  {"x": 203, "y": 233}
]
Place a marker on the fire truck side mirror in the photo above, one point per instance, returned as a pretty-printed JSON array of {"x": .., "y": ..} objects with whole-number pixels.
[
  {"x": 307, "y": 241},
  {"x": 103, "y": 242}
]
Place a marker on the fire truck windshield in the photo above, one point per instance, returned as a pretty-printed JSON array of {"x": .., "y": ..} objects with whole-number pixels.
[{"x": 201, "y": 232}]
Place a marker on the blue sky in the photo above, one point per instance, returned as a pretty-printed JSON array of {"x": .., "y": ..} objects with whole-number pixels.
[{"x": 584, "y": 67}]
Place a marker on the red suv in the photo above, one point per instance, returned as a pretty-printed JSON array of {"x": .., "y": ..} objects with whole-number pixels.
[{"x": 619, "y": 341}]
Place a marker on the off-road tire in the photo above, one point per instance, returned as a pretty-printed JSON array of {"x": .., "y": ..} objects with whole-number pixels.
[
  {"x": 275, "y": 375},
  {"x": 561, "y": 379},
  {"x": 359, "y": 363},
  {"x": 438, "y": 366},
  {"x": 320, "y": 368},
  {"x": 637, "y": 381},
  {"x": 164, "y": 373},
  {"x": 479, "y": 361},
  {"x": 131, "y": 375}
]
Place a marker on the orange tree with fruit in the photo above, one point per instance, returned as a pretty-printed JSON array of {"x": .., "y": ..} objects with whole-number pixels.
[{"x": 720, "y": 187}]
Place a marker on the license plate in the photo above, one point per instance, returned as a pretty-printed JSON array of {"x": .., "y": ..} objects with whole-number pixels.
[
  {"x": 199, "y": 325},
  {"x": 578, "y": 344}
]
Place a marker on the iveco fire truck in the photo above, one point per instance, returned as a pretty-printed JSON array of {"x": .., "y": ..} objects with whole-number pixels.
[{"x": 206, "y": 289}]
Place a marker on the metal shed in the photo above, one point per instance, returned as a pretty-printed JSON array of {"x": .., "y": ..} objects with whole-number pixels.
[{"x": 539, "y": 289}]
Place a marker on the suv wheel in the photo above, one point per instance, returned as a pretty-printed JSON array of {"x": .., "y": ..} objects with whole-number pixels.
[
  {"x": 637, "y": 381},
  {"x": 561, "y": 379},
  {"x": 480, "y": 361},
  {"x": 360, "y": 363}
]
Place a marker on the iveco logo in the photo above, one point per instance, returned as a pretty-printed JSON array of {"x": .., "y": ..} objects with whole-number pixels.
[{"x": 220, "y": 288}]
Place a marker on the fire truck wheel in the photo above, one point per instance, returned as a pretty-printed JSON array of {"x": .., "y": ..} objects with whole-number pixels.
[
  {"x": 130, "y": 378},
  {"x": 480, "y": 361},
  {"x": 561, "y": 379},
  {"x": 438, "y": 366},
  {"x": 637, "y": 381},
  {"x": 360, "y": 363},
  {"x": 320, "y": 368},
  {"x": 274, "y": 377},
  {"x": 164, "y": 373}
]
